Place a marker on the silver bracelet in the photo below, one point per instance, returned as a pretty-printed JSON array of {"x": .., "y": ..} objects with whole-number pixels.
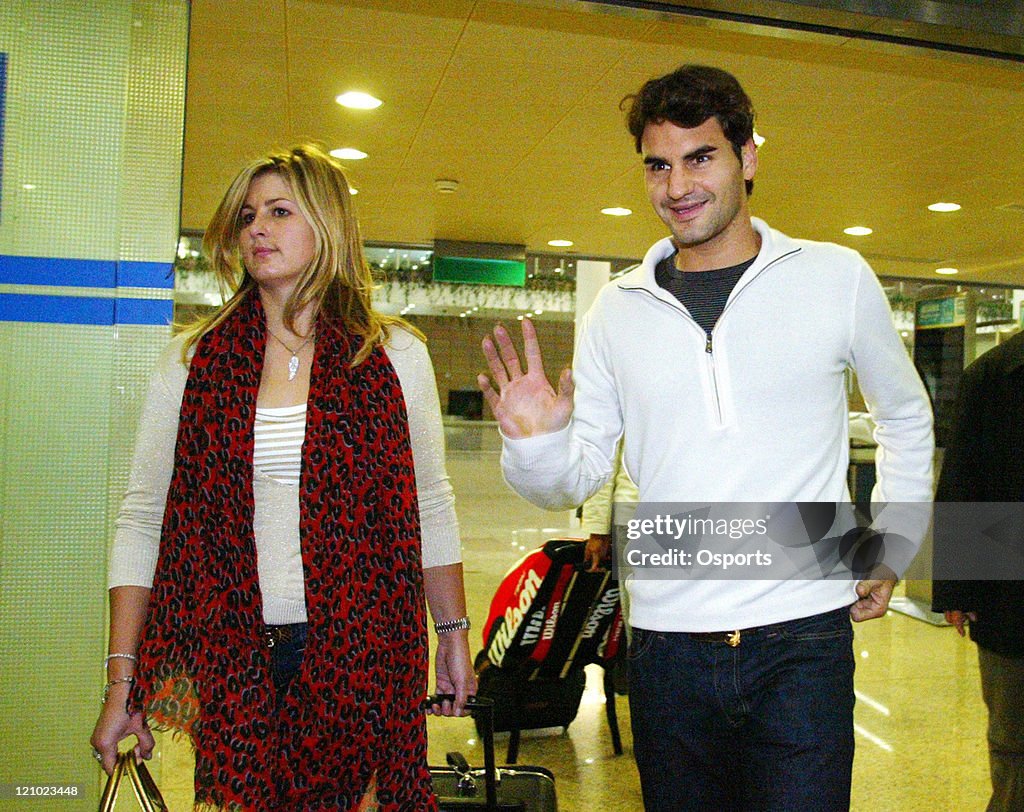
[
  {"x": 446, "y": 626},
  {"x": 109, "y": 657}
]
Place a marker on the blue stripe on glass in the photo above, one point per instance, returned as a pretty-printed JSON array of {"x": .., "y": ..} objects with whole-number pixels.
[
  {"x": 56, "y": 309},
  {"x": 84, "y": 310},
  {"x": 78, "y": 273},
  {"x": 144, "y": 311},
  {"x": 85, "y": 273},
  {"x": 145, "y": 275}
]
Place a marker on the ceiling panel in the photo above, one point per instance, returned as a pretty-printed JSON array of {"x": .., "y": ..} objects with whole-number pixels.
[
  {"x": 242, "y": 17},
  {"x": 398, "y": 23},
  {"x": 519, "y": 102}
]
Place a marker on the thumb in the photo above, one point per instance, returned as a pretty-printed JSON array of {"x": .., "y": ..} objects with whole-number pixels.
[{"x": 566, "y": 386}]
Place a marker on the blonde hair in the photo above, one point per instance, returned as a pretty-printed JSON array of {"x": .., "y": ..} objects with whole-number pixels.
[{"x": 337, "y": 282}]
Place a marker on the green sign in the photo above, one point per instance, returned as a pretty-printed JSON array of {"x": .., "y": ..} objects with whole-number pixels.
[
  {"x": 946, "y": 312},
  {"x": 480, "y": 271}
]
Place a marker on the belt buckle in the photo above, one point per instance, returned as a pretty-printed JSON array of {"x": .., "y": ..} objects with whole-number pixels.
[{"x": 733, "y": 638}]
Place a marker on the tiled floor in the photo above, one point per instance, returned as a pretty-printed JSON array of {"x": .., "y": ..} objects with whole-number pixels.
[{"x": 920, "y": 722}]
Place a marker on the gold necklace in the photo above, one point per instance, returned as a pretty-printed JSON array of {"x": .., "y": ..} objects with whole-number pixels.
[{"x": 293, "y": 364}]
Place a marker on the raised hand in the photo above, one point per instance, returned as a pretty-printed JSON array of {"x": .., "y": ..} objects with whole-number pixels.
[{"x": 524, "y": 404}]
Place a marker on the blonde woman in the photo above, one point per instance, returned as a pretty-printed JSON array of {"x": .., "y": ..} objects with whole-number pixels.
[{"x": 287, "y": 513}]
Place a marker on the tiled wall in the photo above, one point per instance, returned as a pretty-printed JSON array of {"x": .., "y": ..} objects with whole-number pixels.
[
  {"x": 454, "y": 346},
  {"x": 93, "y": 109}
]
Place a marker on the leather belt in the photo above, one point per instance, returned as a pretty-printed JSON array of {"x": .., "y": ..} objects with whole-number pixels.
[
  {"x": 732, "y": 638},
  {"x": 735, "y": 636},
  {"x": 284, "y": 634}
]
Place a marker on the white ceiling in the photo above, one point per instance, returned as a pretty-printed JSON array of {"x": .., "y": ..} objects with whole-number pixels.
[{"x": 519, "y": 102}]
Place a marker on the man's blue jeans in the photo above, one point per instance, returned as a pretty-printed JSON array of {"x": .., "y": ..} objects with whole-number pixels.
[{"x": 765, "y": 725}]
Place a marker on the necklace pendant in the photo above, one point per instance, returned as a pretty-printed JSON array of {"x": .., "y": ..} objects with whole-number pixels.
[{"x": 293, "y": 367}]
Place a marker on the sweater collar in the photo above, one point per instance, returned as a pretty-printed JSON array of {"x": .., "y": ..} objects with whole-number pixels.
[{"x": 774, "y": 245}]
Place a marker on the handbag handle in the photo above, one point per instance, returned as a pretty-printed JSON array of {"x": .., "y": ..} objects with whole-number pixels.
[
  {"x": 109, "y": 796},
  {"x": 145, "y": 788}
]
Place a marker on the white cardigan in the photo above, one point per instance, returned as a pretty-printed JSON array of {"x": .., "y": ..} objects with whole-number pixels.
[
  {"x": 762, "y": 417},
  {"x": 276, "y": 519}
]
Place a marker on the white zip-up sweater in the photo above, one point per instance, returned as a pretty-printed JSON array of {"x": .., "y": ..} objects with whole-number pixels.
[{"x": 756, "y": 414}]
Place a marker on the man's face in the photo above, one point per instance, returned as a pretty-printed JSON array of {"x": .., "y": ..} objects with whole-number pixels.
[{"x": 696, "y": 183}]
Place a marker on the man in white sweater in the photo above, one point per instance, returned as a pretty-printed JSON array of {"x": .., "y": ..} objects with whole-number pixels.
[{"x": 722, "y": 359}]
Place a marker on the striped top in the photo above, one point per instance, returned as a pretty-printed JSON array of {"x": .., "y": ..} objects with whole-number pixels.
[
  {"x": 703, "y": 293},
  {"x": 278, "y": 437}
]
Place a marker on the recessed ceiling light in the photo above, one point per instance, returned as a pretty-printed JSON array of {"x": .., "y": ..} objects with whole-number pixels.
[
  {"x": 947, "y": 271},
  {"x": 560, "y": 243},
  {"x": 348, "y": 154},
  {"x": 358, "y": 100},
  {"x": 758, "y": 138},
  {"x": 352, "y": 191},
  {"x": 944, "y": 207},
  {"x": 617, "y": 211},
  {"x": 857, "y": 231}
]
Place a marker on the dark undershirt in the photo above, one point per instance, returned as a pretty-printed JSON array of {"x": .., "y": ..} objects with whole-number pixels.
[{"x": 702, "y": 293}]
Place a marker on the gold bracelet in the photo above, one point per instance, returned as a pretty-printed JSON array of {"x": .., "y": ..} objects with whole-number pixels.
[{"x": 112, "y": 683}]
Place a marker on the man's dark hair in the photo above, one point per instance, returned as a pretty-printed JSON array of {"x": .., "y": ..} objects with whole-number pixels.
[{"x": 688, "y": 97}]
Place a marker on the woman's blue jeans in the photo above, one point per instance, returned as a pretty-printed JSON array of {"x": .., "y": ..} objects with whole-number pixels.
[
  {"x": 286, "y": 658},
  {"x": 765, "y": 725}
]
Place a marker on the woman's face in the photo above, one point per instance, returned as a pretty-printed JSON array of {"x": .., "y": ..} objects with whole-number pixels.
[{"x": 276, "y": 240}]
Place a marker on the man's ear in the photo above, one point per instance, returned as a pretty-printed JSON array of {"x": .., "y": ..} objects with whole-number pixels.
[{"x": 748, "y": 157}]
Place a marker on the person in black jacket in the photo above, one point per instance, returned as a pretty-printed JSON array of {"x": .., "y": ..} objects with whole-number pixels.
[{"x": 984, "y": 463}]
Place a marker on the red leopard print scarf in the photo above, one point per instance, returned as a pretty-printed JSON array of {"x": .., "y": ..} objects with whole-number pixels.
[{"x": 355, "y": 711}]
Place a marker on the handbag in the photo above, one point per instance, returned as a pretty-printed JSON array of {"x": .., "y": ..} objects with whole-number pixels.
[{"x": 146, "y": 791}]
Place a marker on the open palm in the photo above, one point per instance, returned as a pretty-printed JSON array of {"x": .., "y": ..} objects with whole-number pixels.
[{"x": 524, "y": 403}]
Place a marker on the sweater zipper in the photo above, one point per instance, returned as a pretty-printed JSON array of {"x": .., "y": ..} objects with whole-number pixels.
[
  {"x": 710, "y": 337},
  {"x": 709, "y": 349},
  {"x": 715, "y": 395},
  {"x": 708, "y": 354}
]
